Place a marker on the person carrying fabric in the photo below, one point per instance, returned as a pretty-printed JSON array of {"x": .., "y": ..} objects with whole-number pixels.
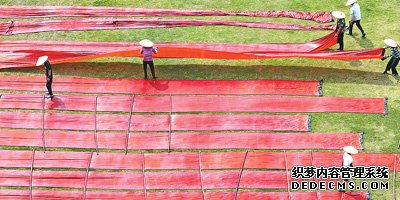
[
  {"x": 340, "y": 25},
  {"x": 43, "y": 60},
  {"x": 347, "y": 160},
  {"x": 147, "y": 50},
  {"x": 395, "y": 54},
  {"x": 355, "y": 17}
]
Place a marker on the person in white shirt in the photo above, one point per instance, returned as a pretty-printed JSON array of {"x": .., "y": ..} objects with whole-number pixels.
[
  {"x": 355, "y": 16},
  {"x": 348, "y": 159}
]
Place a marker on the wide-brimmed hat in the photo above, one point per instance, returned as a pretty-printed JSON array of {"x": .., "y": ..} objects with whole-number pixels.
[
  {"x": 391, "y": 43},
  {"x": 41, "y": 60},
  {"x": 338, "y": 14},
  {"x": 146, "y": 43},
  {"x": 350, "y": 150},
  {"x": 349, "y": 2}
]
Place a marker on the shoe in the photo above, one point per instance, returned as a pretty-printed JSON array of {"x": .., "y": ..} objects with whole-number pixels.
[
  {"x": 49, "y": 96},
  {"x": 396, "y": 75},
  {"x": 341, "y": 190},
  {"x": 339, "y": 49},
  {"x": 145, "y": 78},
  {"x": 154, "y": 78},
  {"x": 349, "y": 34},
  {"x": 363, "y": 35},
  {"x": 385, "y": 72}
]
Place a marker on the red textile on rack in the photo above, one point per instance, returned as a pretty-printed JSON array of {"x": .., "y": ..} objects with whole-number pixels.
[
  {"x": 173, "y": 180},
  {"x": 240, "y": 122},
  {"x": 8, "y": 194},
  {"x": 249, "y": 179},
  {"x": 61, "y": 121},
  {"x": 70, "y": 179},
  {"x": 55, "y": 159},
  {"x": 139, "y": 86},
  {"x": 109, "y": 160},
  {"x": 14, "y": 178},
  {"x": 187, "y": 140},
  {"x": 263, "y": 140},
  {"x": 116, "y": 180},
  {"x": 21, "y": 27},
  {"x": 187, "y": 160},
  {"x": 173, "y": 160},
  {"x": 276, "y": 104},
  {"x": 79, "y": 11},
  {"x": 195, "y": 103}
]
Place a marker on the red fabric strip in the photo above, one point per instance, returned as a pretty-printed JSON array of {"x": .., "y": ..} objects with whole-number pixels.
[
  {"x": 23, "y": 27},
  {"x": 63, "y": 11},
  {"x": 136, "y": 86},
  {"x": 195, "y": 103},
  {"x": 189, "y": 140}
]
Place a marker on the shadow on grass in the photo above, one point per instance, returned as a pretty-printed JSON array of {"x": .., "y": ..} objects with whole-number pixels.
[
  {"x": 191, "y": 71},
  {"x": 364, "y": 42}
]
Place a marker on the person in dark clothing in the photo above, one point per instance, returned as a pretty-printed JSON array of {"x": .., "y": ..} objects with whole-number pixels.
[
  {"x": 347, "y": 161},
  {"x": 395, "y": 54},
  {"x": 340, "y": 26},
  {"x": 43, "y": 60},
  {"x": 147, "y": 51}
]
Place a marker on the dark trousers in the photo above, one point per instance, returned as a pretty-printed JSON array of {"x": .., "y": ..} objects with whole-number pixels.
[
  {"x": 48, "y": 85},
  {"x": 340, "y": 41},
  {"x": 358, "y": 25},
  {"x": 151, "y": 64},
  {"x": 392, "y": 64}
]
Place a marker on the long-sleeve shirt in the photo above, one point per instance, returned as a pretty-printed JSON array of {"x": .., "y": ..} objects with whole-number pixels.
[
  {"x": 49, "y": 70},
  {"x": 347, "y": 160},
  {"x": 148, "y": 53},
  {"x": 394, "y": 52},
  {"x": 355, "y": 12},
  {"x": 340, "y": 25}
]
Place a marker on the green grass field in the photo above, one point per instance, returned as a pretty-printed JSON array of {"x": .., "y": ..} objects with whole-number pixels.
[{"x": 341, "y": 78}]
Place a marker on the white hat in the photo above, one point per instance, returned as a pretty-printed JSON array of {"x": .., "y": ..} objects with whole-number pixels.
[
  {"x": 350, "y": 150},
  {"x": 390, "y": 43},
  {"x": 338, "y": 15},
  {"x": 41, "y": 60},
  {"x": 146, "y": 43},
  {"x": 349, "y": 2}
]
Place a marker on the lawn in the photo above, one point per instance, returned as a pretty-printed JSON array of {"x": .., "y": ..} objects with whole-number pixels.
[{"x": 341, "y": 78}]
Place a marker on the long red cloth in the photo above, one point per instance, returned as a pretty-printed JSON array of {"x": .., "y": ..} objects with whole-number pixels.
[
  {"x": 25, "y": 53},
  {"x": 182, "y": 140},
  {"x": 162, "y": 87},
  {"x": 77, "y": 11},
  {"x": 195, "y": 103},
  {"x": 10, "y": 194},
  {"x": 189, "y": 160},
  {"x": 19, "y": 27}
]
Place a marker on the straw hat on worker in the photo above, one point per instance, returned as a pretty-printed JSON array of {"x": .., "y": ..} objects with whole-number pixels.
[
  {"x": 350, "y": 150},
  {"x": 41, "y": 60},
  {"x": 391, "y": 43},
  {"x": 146, "y": 43},
  {"x": 338, "y": 14},
  {"x": 350, "y": 2}
]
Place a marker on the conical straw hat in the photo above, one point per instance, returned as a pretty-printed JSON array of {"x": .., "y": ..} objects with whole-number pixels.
[
  {"x": 350, "y": 150},
  {"x": 391, "y": 43},
  {"x": 338, "y": 15},
  {"x": 349, "y": 2},
  {"x": 41, "y": 60},
  {"x": 146, "y": 43}
]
